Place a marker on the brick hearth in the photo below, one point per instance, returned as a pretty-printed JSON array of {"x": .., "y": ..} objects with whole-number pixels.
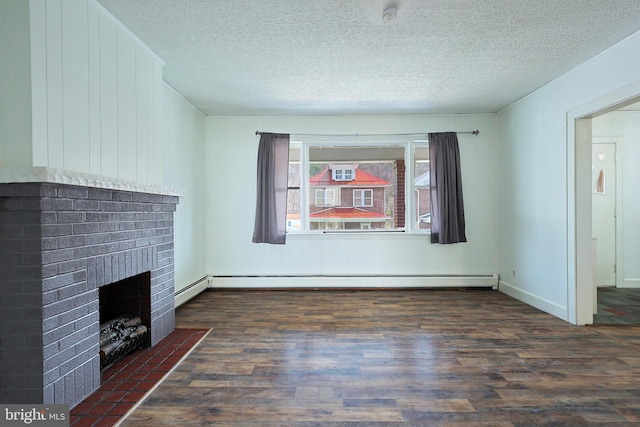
[{"x": 58, "y": 244}]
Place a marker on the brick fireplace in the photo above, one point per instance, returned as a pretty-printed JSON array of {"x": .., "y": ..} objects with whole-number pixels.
[{"x": 59, "y": 244}]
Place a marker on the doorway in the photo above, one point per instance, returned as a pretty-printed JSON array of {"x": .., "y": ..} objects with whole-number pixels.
[{"x": 581, "y": 185}]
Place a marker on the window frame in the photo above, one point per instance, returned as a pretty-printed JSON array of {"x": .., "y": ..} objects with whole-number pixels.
[
  {"x": 329, "y": 197},
  {"x": 409, "y": 145},
  {"x": 363, "y": 197}
]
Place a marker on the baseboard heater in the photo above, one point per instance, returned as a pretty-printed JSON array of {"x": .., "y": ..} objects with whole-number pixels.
[
  {"x": 185, "y": 293},
  {"x": 357, "y": 281}
]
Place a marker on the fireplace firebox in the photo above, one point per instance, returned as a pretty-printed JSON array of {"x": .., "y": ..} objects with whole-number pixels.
[{"x": 125, "y": 317}]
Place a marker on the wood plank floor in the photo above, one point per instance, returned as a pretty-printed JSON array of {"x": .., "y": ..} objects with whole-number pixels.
[{"x": 390, "y": 358}]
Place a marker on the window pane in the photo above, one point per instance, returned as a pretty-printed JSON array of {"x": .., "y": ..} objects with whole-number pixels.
[
  {"x": 422, "y": 196},
  {"x": 360, "y": 187},
  {"x": 293, "y": 193}
]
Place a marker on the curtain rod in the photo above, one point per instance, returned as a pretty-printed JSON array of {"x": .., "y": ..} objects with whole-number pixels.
[{"x": 473, "y": 132}]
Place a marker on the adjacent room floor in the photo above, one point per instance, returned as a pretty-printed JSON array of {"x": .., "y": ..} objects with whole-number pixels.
[
  {"x": 618, "y": 306},
  {"x": 406, "y": 357}
]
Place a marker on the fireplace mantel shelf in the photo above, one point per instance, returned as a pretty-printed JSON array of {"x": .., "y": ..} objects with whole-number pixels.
[{"x": 58, "y": 176}]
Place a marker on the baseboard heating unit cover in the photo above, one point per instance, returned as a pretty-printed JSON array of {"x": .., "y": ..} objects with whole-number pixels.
[
  {"x": 185, "y": 293},
  {"x": 357, "y": 281}
]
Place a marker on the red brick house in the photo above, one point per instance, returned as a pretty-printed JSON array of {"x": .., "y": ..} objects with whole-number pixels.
[{"x": 344, "y": 197}]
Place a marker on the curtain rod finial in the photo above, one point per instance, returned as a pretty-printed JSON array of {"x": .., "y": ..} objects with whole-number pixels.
[
  {"x": 475, "y": 132},
  {"x": 258, "y": 132}
]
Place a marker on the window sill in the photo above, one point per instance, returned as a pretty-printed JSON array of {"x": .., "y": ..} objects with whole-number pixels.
[{"x": 355, "y": 234}]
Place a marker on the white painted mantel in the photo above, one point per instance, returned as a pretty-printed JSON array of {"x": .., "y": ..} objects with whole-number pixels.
[{"x": 83, "y": 179}]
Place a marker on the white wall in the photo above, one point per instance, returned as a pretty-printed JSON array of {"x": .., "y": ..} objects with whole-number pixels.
[
  {"x": 231, "y": 151},
  {"x": 185, "y": 169},
  {"x": 97, "y": 94},
  {"x": 15, "y": 84},
  {"x": 79, "y": 92},
  {"x": 626, "y": 124},
  {"x": 532, "y": 185}
]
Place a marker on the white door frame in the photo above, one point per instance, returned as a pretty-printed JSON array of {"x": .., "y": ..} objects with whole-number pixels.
[{"x": 579, "y": 272}]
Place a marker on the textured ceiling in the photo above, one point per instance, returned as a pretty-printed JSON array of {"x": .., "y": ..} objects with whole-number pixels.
[{"x": 250, "y": 57}]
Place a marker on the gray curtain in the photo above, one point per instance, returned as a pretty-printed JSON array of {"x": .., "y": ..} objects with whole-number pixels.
[
  {"x": 447, "y": 207},
  {"x": 271, "y": 200}
]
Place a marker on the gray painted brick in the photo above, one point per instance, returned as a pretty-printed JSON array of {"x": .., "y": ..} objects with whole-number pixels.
[
  {"x": 51, "y": 230},
  {"x": 50, "y": 270},
  {"x": 10, "y": 204},
  {"x": 55, "y": 335},
  {"x": 50, "y": 324},
  {"x": 98, "y": 216},
  {"x": 73, "y": 265},
  {"x": 90, "y": 320},
  {"x": 49, "y": 243},
  {"x": 80, "y": 276},
  {"x": 23, "y": 190},
  {"x": 20, "y": 218},
  {"x": 122, "y": 197},
  {"x": 72, "y": 291},
  {"x": 57, "y": 256},
  {"x": 87, "y": 251},
  {"x": 47, "y": 395},
  {"x": 115, "y": 267},
  {"x": 56, "y": 204},
  {"x": 86, "y": 205},
  {"x": 107, "y": 270},
  {"x": 99, "y": 194},
  {"x": 100, "y": 271},
  {"x": 72, "y": 192},
  {"x": 58, "y": 392},
  {"x": 71, "y": 217},
  {"x": 20, "y": 272},
  {"x": 10, "y": 260},
  {"x": 16, "y": 231},
  {"x": 49, "y": 217},
  {"x": 93, "y": 239},
  {"x": 68, "y": 317},
  {"x": 125, "y": 245},
  {"x": 56, "y": 282},
  {"x": 91, "y": 273},
  {"x": 87, "y": 228},
  {"x": 110, "y": 206},
  {"x": 30, "y": 204},
  {"x": 72, "y": 241}
]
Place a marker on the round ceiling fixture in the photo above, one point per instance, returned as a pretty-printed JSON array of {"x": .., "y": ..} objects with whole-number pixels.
[{"x": 390, "y": 13}]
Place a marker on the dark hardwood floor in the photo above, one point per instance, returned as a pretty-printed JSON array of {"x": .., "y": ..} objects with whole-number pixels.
[{"x": 389, "y": 358}]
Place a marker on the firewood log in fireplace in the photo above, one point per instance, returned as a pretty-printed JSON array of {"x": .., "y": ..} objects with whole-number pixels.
[{"x": 119, "y": 336}]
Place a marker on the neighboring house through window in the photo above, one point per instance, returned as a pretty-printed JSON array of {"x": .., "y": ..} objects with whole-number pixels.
[{"x": 344, "y": 186}]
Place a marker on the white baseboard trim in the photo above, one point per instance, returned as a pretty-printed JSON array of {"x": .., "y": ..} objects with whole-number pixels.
[
  {"x": 386, "y": 281},
  {"x": 185, "y": 293},
  {"x": 630, "y": 283},
  {"x": 534, "y": 300}
]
